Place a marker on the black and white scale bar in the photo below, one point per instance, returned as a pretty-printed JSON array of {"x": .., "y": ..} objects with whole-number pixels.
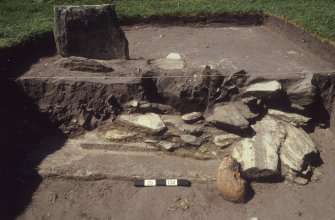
[{"x": 162, "y": 182}]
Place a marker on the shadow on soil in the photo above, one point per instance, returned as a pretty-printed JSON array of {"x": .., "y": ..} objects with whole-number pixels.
[{"x": 22, "y": 127}]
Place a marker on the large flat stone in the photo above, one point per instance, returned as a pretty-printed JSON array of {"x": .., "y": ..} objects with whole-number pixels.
[
  {"x": 89, "y": 31},
  {"x": 83, "y": 64},
  {"x": 150, "y": 121},
  {"x": 258, "y": 156},
  {"x": 293, "y": 118},
  {"x": 177, "y": 123},
  {"x": 296, "y": 148},
  {"x": 263, "y": 89},
  {"x": 228, "y": 117}
]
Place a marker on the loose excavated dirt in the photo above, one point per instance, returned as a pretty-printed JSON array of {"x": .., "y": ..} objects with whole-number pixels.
[{"x": 75, "y": 172}]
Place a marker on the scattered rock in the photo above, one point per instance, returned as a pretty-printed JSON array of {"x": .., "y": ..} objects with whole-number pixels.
[
  {"x": 82, "y": 64},
  {"x": 258, "y": 156},
  {"x": 229, "y": 182},
  {"x": 155, "y": 107},
  {"x": 192, "y": 140},
  {"x": 191, "y": 117},
  {"x": 131, "y": 104},
  {"x": 176, "y": 122},
  {"x": 245, "y": 110},
  {"x": 150, "y": 121},
  {"x": 89, "y": 31},
  {"x": 263, "y": 89},
  {"x": 228, "y": 117},
  {"x": 295, "y": 119},
  {"x": 226, "y": 139},
  {"x": 174, "y": 56},
  {"x": 296, "y": 149},
  {"x": 303, "y": 92},
  {"x": 172, "y": 61},
  {"x": 116, "y": 134},
  {"x": 169, "y": 146}
]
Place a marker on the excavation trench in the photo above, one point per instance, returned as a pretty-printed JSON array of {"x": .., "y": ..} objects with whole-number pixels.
[{"x": 58, "y": 107}]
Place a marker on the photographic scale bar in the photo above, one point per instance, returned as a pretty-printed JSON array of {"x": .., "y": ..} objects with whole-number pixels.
[{"x": 162, "y": 182}]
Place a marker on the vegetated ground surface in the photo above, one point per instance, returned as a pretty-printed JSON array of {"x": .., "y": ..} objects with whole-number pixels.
[
  {"x": 24, "y": 19},
  {"x": 72, "y": 197}
]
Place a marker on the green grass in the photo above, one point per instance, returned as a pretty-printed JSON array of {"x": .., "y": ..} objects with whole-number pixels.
[{"x": 23, "y": 19}]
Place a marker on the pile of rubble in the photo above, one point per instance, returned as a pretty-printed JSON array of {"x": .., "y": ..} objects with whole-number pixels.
[{"x": 269, "y": 143}]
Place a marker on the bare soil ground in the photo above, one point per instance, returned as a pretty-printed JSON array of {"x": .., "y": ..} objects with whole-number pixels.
[{"x": 58, "y": 198}]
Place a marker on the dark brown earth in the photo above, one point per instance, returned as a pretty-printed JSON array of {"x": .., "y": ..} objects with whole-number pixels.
[{"x": 272, "y": 51}]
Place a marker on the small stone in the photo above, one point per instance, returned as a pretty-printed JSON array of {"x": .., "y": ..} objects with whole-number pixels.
[
  {"x": 228, "y": 117},
  {"x": 115, "y": 134},
  {"x": 253, "y": 218},
  {"x": 263, "y": 89},
  {"x": 226, "y": 139},
  {"x": 300, "y": 181},
  {"x": 174, "y": 56},
  {"x": 168, "y": 64},
  {"x": 203, "y": 149},
  {"x": 229, "y": 182},
  {"x": 192, "y": 140},
  {"x": 82, "y": 64},
  {"x": 295, "y": 119},
  {"x": 317, "y": 175},
  {"x": 150, "y": 141},
  {"x": 133, "y": 103},
  {"x": 169, "y": 146},
  {"x": 150, "y": 121},
  {"x": 191, "y": 117},
  {"x": 155, "y": 107}
]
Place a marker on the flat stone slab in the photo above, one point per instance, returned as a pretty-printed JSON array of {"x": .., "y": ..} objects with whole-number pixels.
[
  {"x": 150, "y": 121},
  {"x": 295, "y": 119},
  {"x": 258, "y": 156},
  {"x": 263, "y": 89},
  {"x": 228, "y": 117}
]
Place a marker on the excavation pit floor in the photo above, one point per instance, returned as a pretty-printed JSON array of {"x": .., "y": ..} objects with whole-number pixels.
[
  {"x": 77, "y": 183},
  {"x": 85, "y": 184}
]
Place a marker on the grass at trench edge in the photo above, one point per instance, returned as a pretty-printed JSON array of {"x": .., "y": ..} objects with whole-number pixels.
[{"x": 25, "y": 19}]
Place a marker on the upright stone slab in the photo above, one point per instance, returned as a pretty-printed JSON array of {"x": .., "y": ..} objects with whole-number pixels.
[{"x": 89, "y": 31}]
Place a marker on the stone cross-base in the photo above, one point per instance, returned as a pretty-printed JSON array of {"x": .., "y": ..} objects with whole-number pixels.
[{"x": 89, "y": 31}]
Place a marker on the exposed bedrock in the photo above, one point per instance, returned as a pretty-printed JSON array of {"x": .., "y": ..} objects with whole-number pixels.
[{"x": 89, "y": 31}]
